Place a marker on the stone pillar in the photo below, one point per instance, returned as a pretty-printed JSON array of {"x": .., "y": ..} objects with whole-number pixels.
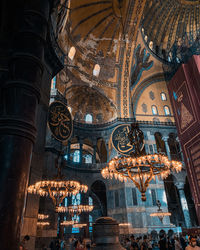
[
  {"x": 19, "y": 100},
  {"x": 68, "y": 150},
  {"x": 165, "y": 139},
  {"x": 81, "y": 151},
  {"x": 181, "y": 152},
  {"x": 184, "y": 205}
]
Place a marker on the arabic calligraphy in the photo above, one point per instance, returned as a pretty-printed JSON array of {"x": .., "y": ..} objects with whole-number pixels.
[
  {"x": 60, "y": 121},
  {"x": 120, "y": 139}
]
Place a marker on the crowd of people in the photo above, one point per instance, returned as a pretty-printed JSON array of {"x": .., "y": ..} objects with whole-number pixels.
[{"x": 163, "y": 243}]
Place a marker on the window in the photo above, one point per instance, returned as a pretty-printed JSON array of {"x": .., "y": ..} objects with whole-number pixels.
[
  {"x": 90, "y": 223},
  {"x": 53, "y": 83},
  {"x": 96, "y": 70},
  {"x": 76, "y": 199},
  {"x": 154, "y": 110},
  {"x": 88, "y": 118},
  {"x": 66, "y": 157},
  {"x": 90, "y": 201},
  {"x": 134, "y": 196},
  {"x": 151, "y": 149},
  {"x": 163, "y": 96},
  {"x": 75, "y": 230},
  {"x": 65, "y": 202},
  {"x": 88, "y": 158},
  {"x": 116, "y": 198},
  {"x": 167, "y": 110},
  {"x": 72, "y": 53},
  {"x": 153, "y": 196},
  {"x": 76, "y": 156}
]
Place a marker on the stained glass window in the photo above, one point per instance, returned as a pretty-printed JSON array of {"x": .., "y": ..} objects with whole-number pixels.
[
  {"x": 76, "y": 230},
  {"x": 88, "y": 158},
  {"x": 90, "y": 223},
  {"x": 76, "y": 199},
  {"x": 90, "y": 201}
]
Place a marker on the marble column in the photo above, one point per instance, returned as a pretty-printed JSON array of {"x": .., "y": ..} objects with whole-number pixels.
[
  {"x": 184, "y": 205},
  {"x": 20, "y": 95},
  {"x": 181, "y": 152},
  {"x": 165, "y": 139}
]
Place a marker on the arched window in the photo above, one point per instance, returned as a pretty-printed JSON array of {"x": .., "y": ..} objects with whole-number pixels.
[
  {"x": 163, "y": 96},
  {"x": 96, "y": 70},
  {"x": 88, "y": 158},
  {"x": 167, "y": 110},
  {"x": 88, "y": 118},
  {"x": 66, "y": 157},
  {"x": 53, "y": 83},
  {"x": 76, "y": 156},
  {"x": 90, "y": 201},
  {"x": 72, "y": 53},
  {"x": 70, "y": 109},
  {"x": 154, "y": 110},
  {"x": 90, "y": 223}
]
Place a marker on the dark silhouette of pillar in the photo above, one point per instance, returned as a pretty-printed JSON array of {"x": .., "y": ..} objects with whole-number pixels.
[{"x": 20, "y": 94}]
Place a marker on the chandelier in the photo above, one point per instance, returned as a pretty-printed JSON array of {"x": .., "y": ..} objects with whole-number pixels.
[
  {"x": 75, "y": 209},
  {"x": 67, "y": 223},
  {"x": 140, "y": 168},
  {"x": 160, "y": 214},
  {"x": 43, "y": 216},
  {"x": 79, "y": 225},
  {"x": 58, "y": 188}
]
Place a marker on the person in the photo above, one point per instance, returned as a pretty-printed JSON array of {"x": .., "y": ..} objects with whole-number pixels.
[
  {"x": 183, "y": 242},
  {"x": 144, "y": 244},
  {"x": 78, "y": 245},
  {"x": 134, "y": 244},
  {"x": 22, "y": 245},
  {"x": 162, "y": 243},
  {"x": 88, "y": 246},
  {"x": 192, "y": 244},
  {"x": 177, "y": 243},
  {"x": 127, "y": 243}
]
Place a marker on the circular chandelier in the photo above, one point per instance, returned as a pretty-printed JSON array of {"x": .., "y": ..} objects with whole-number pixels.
[
  {"x": 58, "y": 188},
  {"x": 75, "y": 209},
  {"x": 139, "y": 167},
  {"x": 160, "y": 214},
  {"x": 79, "y": 225},
  {"x": 43, "y": 216},
  {"x": 67, "y": 223}
]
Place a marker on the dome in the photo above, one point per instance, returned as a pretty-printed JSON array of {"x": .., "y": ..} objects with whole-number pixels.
[
  {"x": 170, "y": 27},
  {"x": 85, "y": 101}
]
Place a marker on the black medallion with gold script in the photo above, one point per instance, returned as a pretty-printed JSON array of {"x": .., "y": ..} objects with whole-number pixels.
[
  {"x": 60, "y": 121},
  {"x": 120, "y": 139}
]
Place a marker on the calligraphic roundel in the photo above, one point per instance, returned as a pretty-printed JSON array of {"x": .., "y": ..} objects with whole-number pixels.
[
  {"x": 120, "y": 139},
  {"x": 60, "y": 121}
]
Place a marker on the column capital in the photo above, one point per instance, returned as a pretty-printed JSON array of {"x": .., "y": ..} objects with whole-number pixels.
[
  {"x": 179, "y": 185},
  {"x": 165, "y": 138}
]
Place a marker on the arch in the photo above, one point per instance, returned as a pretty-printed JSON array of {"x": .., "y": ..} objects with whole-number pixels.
[
  {"x": 159, "y": 142},
  {"x": 88, "y": 118},
  {"x": 167, "y": 110},
  {"x": 174, "y": 147},
  {"x": 102, "y": 150},
  {"x": 99, "y": 189},
  {"x": 163, "y": 96},
  {"x": 154, "y": 110}
]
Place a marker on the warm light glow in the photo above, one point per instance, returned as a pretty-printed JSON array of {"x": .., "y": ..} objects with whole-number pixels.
[
  {"x": 43, "y": 223},
  {"x": 67, "y": 223},
  {"x": 79, "y": 225},
  {"x": 57, "y": 189},
  {"x": 160, "y": 214},
  {"x": 74, "y": 209},
  {"x": 43, "y": 216},
  {"x": 141, "y": 170},
  {"x": 124, "y": 224}
]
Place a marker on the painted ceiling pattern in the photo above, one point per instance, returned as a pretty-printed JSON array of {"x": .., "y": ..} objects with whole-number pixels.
[{"x": 105, "y": 32}]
